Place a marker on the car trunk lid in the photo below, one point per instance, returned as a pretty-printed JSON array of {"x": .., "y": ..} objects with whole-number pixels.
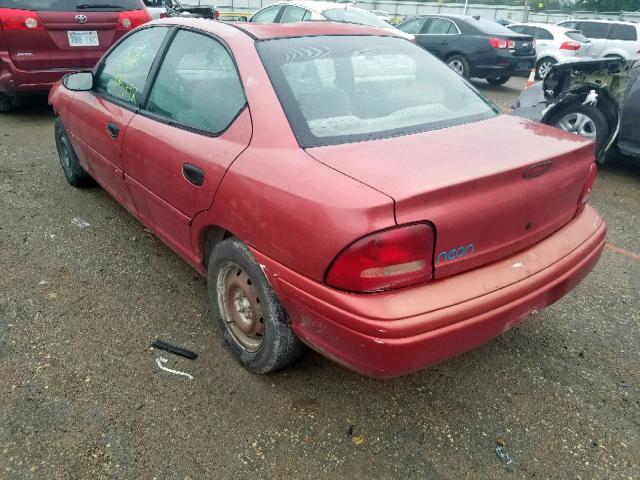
[{"x": 487, "y": 196}]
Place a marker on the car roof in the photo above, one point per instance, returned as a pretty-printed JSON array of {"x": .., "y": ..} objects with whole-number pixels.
[
  {"x": 316, "y": 6},
  {"x": 624, "y": 22},
  {"x": 549, "y": 26},
  {"x": 265, "y": 31}
]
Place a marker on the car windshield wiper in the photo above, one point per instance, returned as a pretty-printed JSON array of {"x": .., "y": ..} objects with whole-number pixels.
[{"x": 87, "y": 6}]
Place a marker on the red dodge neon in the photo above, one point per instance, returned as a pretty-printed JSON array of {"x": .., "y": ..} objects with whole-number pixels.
[{"x": 338, "y": 186}]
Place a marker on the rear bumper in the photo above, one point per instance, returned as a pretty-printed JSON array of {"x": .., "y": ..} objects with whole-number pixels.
[
  {"x": 395, "y": 333},
  {"x": 17, "y": 82},
  {"x": 505, "y": 64}
]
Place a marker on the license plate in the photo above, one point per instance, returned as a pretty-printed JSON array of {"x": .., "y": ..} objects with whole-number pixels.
[{"x": 84, "y": 38}]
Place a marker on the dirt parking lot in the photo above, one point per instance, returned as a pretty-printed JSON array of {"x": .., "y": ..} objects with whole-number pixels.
[{"x": 81, "y": 395}]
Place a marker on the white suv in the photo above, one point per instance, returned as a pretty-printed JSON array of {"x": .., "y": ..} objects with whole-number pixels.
[
  {"x": 609, "y": 38},
  {"x": 554, "y": 44}
]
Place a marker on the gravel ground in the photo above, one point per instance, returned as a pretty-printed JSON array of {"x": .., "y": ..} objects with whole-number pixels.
[{"x": 81, "y": 395}]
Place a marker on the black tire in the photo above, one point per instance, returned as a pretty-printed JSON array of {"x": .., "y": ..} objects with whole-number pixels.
[
  {"x": 279, "y": 345},
  {"x": 501, "y": 80},
  {"x": 598, "y": 119},
  {"x": 542, "y": 67},
  {"x": 73, "y": 171},
  {"x": 455, "y": 61},
  {"x": 6, "y": 104}
]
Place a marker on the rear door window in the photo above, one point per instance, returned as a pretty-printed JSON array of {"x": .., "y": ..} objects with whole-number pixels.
[
  {"x": 594, "y": 29},
  {"x": 268, "y": 15},
  {"x": 413, "y": 26},
  {"x": 620, "y": 31},
  {"x": 295, "y": 14},
  {"x": 440, "y": 26},
  {"x": 123, "y": 74},
  {"x": 73, "y": 5},
  {"x": 542, "y": 34},
  {"x": 197, "y": 85}
]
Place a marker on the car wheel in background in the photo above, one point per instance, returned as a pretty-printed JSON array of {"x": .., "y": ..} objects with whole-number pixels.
[
  {"x": 459, "y": 64},
  {"x": 584, "y": 120},
  {"x": 543, "y": 66},
  {"x": 73, "y": 171},
  {"x": 501, "y": 80},
  {"x": 246, "y": 309}
]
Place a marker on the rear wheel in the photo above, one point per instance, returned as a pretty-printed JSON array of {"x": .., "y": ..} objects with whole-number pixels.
[
  {"x": 501, "y": 80},
  {"x": 73, "y": 171},
  {"x": 459, "y": 64},
  {"x": 6, "y": 104},
  {"x": 544, "y": 66},
  {"x": 584, "y": 120},
  {"x": 247, "y": 311}
]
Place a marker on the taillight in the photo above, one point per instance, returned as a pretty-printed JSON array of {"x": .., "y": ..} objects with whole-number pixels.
[
  {"x": 588, "y": 186},
  {"x": 570, "y": 46},
  {"x": 11, "y": 19},
  {"x": 132, "y": 19},
  {"x": 502, "y": 43},
  {"x": 165, "y": 15},
  {"x": 385, "y": 260},
  {"x": 216, "y": 14}
]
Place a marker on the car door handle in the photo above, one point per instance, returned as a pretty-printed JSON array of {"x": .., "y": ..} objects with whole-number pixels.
[
  {"x": 113, "y": 130},
  {"x": 193, "y": 174}
]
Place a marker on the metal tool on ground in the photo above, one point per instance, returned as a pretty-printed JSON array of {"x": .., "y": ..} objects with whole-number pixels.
[{"x": 183, "y": 352}]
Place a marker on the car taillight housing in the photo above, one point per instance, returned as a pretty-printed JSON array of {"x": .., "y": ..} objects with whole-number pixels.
[
  {"x": 570, "y": 46},
  {"x": 11, "y": 19},
  {"x": 385, "y": 260},
  {"x": 132, "y": 19},
  {"x": 216, "y": 14},
  {"x": 588, "y": 186},
  {"x": 502, "y": 43}
]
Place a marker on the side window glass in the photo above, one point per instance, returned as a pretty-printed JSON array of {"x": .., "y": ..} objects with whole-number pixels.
[
  {"x": 412, "y": 26},
  {"x": 594, "y": 29},
  {"x": 440, "y": 26},
  {"x": 197, "y": 85},
  {"x": 124, "y": 72},
  {"x": 543, "y": 34},
  {"x": 268, "y": 15},
  {"x": 294, "y": 14},
  {"x": 620, "y": 31}
]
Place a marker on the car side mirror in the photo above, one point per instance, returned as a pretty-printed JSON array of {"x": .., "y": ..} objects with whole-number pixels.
[{"x": 78, "y": 82}]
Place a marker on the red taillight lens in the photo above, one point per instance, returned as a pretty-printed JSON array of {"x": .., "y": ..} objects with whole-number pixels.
[
  {"x": 570, "y": 46},
  {"x": 588, "y": 186},
  {"x": 11, "y": 19},
  {"x": 385, "y": 260},
  {"x": 216, "y": 14},
  {"x": 164, "y": 15},
  {"x": 498, "y": 42},
  {"x": 511, "y": 44},
  {"x": 132, "y": 19}
]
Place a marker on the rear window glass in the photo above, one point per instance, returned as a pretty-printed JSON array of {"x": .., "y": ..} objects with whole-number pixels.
[
  {"x": 73, "y": 5},
  {"x": 487, "y": 26},
  {"x": 344, "y": 89},
  {"x": 623, "y": 32},
  {"x": 354, "y": 15},
  {"x": 594, "y": 29},
  {"x": 577, "y": 36}
]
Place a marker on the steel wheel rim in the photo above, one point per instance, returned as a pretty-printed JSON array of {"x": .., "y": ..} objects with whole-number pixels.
[
  {"x": 457, "y": 66},
  {"x": 578, "y": 123},
  {"x": 240, "y": 307},
  {"x": 544, "y": 68}
]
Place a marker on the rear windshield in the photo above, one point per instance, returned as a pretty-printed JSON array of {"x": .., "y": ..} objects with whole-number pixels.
[
  {"x": 488, "y": 26},
  {"x": 342, "y": 89},
  {"x": 73, "y": 5},
  {"x": 578, "y": 37},
  {"x": 354, "y": 15}
]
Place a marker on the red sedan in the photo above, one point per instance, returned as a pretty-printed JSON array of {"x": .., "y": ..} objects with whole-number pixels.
[{"x": 338, "y": 186}]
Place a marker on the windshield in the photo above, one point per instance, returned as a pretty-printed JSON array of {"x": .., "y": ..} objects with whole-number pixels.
[
  {"x": 341, "y": 89},
  {"x": 73, "y": 5},
  {"x": 354, "y": 15}
]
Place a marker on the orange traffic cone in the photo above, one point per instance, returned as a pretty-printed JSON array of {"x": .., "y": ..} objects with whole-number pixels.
[{"x": 532, "y": 78}]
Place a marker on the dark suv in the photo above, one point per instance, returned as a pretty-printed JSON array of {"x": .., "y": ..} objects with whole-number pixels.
[
  {"x": 473, "y": 46},
  {"x": 42, "y": 40}
]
